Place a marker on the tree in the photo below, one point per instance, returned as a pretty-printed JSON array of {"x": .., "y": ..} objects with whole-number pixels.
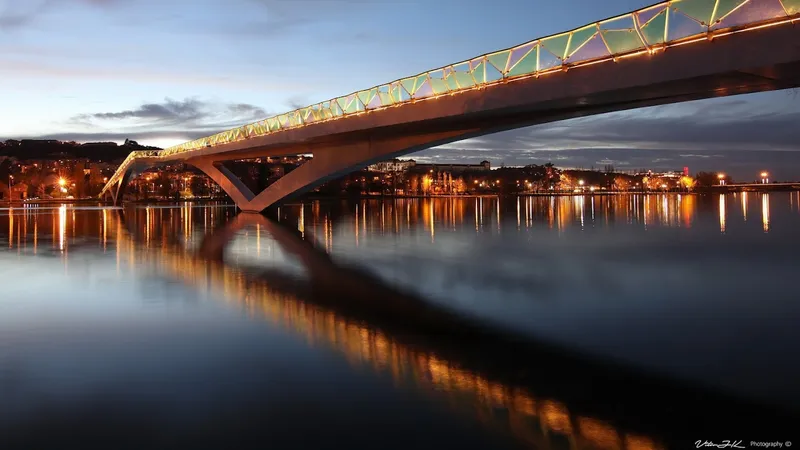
[
  {"x": 199, "y": 186},
  {"x": 688, "y": 183},
  {"x": 622, "y": 183},
  {"x": 706, "y": 179}
]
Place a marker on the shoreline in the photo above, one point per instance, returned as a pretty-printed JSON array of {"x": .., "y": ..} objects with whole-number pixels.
[{"x": 702, "y": 191}]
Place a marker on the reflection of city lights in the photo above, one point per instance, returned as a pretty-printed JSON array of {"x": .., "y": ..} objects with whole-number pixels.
[
  {"x": 765, "y": 212},
  {"x": 62, "y": 226},
  {"x": 744, "y": 205},
  {"x": 722, "y": 213}
]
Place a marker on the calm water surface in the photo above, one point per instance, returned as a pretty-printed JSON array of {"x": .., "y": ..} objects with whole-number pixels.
[{"x": 351, "y": 324}]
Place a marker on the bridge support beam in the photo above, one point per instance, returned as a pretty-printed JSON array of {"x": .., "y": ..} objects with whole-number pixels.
[
  {"x": 328, "y": 163},
  {"x": 227, "y": 180},
  {"x": 115, "y": 193}
]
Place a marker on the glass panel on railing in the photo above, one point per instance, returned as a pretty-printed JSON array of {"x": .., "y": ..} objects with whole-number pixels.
[
  {"x": 367, "y": 95},
  {"x": 547, "y": 60},
  {"x": 452, "y": 84},
  {"x": 699, "y": 10},
  {"x": 409, "y": 84},
  {"x": 438, "y": 84},
  {"x": 526, "y": 65},
  {"x": 580, "y": 37},
  {"x": 478, "y": 70},
  {"x": 682, "y": 26},
  {"x": 557, "y": 45},
  {"x": 424, "y": 90},
  {"x": 622, "y": 41},
  {"x": 654, "y": 29},
  {"x": 500, "y": 59},
  {"x": 725, "y": 7},
  {"x": 517, "y": 55},
  {"x": 592, "y": 49},
  {"x": 792, "y": 7},
  {"x": 752, "y": 11},
  {"x": 647, "y": 14}
]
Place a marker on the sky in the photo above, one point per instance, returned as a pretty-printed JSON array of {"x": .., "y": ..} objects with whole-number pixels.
[{"x": 165, "y": 71}]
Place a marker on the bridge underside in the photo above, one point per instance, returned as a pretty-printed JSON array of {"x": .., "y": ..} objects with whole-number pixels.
[{"x": 761, "y": 60}]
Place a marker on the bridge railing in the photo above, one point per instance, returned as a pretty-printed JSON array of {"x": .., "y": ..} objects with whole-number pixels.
[{"x": 644, "y": 31}]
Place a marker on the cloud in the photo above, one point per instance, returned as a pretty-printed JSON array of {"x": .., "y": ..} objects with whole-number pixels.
[
  {"x": 186, "y": 115},
  {"x": 188, "y": 109}
]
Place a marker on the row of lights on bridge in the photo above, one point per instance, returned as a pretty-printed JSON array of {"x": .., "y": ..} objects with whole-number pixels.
[{"x": 764, "y": 178}]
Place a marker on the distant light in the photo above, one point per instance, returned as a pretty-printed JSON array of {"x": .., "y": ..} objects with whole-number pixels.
[
  {"x": 62, "y": 182},
  {"x": 764, "y": 174},
  {"x": 580, "y": 182},
  {"x": 721, "y": 176}
]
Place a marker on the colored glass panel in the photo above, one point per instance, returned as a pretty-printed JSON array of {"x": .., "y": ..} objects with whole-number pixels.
[
  {"x": 681, "y": 26},
  {"x": 653, "y": 30},
  {"x": 376, "y": 101},
  {"x": 464, "y": 80},
  {"x": 699, "y": 10},
  {"x": 424, "y": 90},
  {"x": 353, "y": 105},
  {"x": 622, "y": 41},
  {"x": 556, "y": 45},
  {"x": 452, "y": 84},
  {"x": 724, "y": 7},
  {"x": 526, "y": 65},
  {"x": 593, "y": 49},
  {"x": 366, "y": 96},
  {"x": 409, "y": 84},
  {"x": 580, "y": 37},
  {"x": 547, "y": 60},
  {"x": 792, "y": 6},
  {"x": 500, "y": 59},
  {"x": 479, "y": 73},
  {"x": 336, "y": 109},
  {"x": 385, "y": 99},
  {"x": 518, "y": 54},
  {"x": 420, "y": 79},
  {"x": 438, "y": 84},
  {"x": 752, "y": 11},
  {"x": 343, "y": 102},
  {"x": 492, "y": 74},
  {"x": 647, "y": 14}
]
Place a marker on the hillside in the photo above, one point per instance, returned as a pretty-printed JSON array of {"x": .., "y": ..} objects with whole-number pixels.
[{"x": 95, "y": 151}]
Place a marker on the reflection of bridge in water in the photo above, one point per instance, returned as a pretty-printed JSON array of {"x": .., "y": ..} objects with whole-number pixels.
[
  {"x": 492, "y": 383},
  {"x": 542, "y": 423}
]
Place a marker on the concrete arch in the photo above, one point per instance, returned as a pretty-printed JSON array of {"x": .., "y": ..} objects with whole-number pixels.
[{"x": 329, "y": 162}]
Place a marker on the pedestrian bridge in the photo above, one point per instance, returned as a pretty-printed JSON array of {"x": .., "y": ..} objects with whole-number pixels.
[{"x": 670, "y": 52}]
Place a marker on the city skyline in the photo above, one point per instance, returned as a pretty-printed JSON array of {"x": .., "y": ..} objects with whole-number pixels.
[{"x": 165, "y": 72}]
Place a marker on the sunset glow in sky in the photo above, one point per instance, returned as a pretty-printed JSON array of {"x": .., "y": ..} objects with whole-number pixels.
[{"x": 166, "y": 71}]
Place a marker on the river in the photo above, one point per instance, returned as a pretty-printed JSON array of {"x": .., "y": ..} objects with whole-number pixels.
[{"x": 533, "y": 322}]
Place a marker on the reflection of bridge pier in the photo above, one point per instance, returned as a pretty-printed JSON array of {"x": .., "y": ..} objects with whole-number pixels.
[{"x": 471, "y": 367}]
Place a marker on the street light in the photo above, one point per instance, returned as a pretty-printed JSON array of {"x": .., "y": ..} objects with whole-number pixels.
[
  {"x": 764, "y": 177},
  {"x": 580, "y": 182},
  {"x": 721, "y": 178},
  {"x": 62, "y": 182}
]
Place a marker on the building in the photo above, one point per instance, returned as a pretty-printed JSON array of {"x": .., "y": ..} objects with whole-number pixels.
[
  {"x": 395, "y": 165},
  {"x": 483, "y": 166}
]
